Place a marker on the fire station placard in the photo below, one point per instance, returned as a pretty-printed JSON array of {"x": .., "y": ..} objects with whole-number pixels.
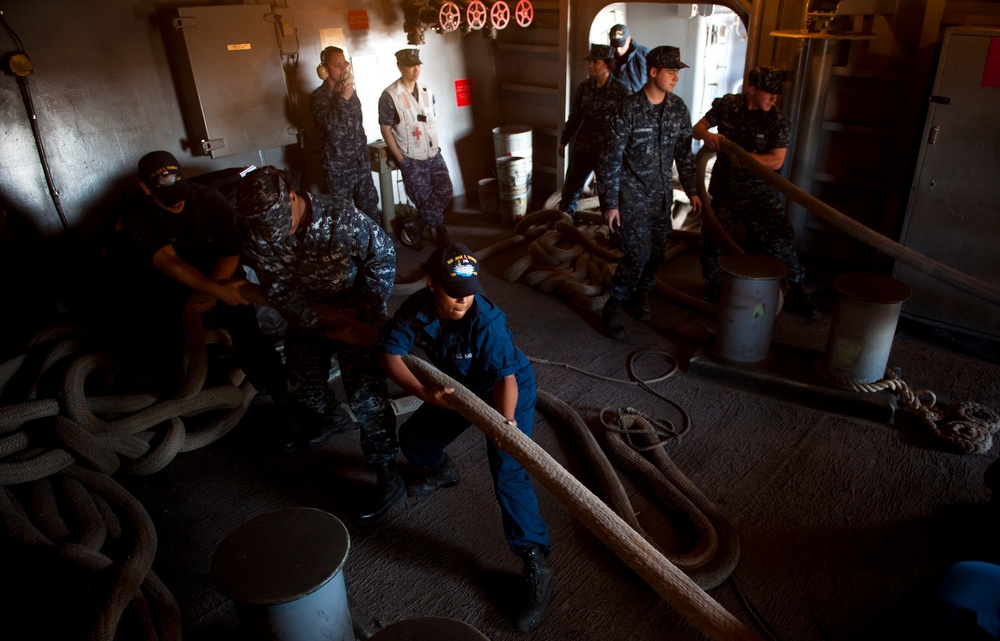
[{"x": 463, "y": 92}]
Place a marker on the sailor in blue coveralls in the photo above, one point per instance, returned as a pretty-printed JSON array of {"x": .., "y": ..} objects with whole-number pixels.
[{"x": 465, "y": 336}]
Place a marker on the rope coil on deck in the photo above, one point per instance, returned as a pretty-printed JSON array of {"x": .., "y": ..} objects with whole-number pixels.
[
  {"x": 63, "y": 433},
  {"x": 967, "y": 426}
]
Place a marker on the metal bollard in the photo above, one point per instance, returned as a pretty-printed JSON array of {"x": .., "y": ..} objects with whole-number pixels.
[
  {"x": 747, "y": 304},
  {"x": 283, "y": 570},
  {"x": 429, "y": 629},
  {"x": 864, "y": 322}
]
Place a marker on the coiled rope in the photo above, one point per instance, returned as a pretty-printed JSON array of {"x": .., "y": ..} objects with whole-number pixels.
[
  {"x": 967, "y": 427},
  {"x": 64, "y": 432}
]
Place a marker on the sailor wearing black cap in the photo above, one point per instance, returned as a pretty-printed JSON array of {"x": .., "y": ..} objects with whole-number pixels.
[
  {"x": 630, "y": 58},
  {"x": 465, "y": 336},
  {"x": 188, "y": 232}
]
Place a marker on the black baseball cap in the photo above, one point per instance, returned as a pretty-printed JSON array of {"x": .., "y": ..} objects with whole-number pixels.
[
  {"x": 162, "y": 174},
  {"x": 618, "y": 35},
  {"x": 456, "y": 269}
]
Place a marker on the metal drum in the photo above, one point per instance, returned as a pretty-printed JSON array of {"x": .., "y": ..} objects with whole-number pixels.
[
  {"x": 747, "y": 305},
  {"x": 284, "y": 572},
  {"x": 429, "y": 629},
  {"x": 864, "y": 322}
]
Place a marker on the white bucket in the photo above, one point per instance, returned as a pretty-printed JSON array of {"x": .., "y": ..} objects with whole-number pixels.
[
  {"x": 512, "y": 176},
  {"x": 284, "y": 572},
  {"x": 514, "y": 140},
  {"x": 489, "y": 195}
]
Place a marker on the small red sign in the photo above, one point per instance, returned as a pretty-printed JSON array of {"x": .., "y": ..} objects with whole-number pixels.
[
  {"x": 357, "y": 19},
  {"x": 991, "y": 75},
  {"x": 463, "y": 92}
]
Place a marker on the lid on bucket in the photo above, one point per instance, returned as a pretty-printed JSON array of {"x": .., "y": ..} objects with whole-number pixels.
[
  {"x": 872, "y": 288},
  {"x": 280, "y": 556},
  {"x": 753, "y": 267},
  {"x": 429, "y": 629}
]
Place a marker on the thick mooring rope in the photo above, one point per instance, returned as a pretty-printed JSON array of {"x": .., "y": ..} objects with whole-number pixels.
[
  {"x": 967, "y": 426},
  {"x": 679, "y": 590}
]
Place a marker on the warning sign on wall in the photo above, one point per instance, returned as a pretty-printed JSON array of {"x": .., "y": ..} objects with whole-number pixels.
[
  {"x": 357, "y": 19},
  {"x": 463, "y": 92}
]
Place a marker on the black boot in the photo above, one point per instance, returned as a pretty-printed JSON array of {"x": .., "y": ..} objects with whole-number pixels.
[
  {"x": 390, "y": 491},
  {"x": 442, "y": 476},
  {"x": 611, "y": 315},
  {"x": 639, "y": 304},
  {"x": 411, "y": 234},
  {"x": 441, "y": 237},
  {"x": 797, "y": 301},
  {"x": 318, "y": 428},
  {"x": 539, "y": 586}
]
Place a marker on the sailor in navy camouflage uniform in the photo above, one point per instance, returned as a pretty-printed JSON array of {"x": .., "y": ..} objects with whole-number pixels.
[
  {"x": 649, "y": 131},
  {"x": 337, "y": 113},
  {"x": 407, "y": 120},
  {"x": 587, "y": 125},
  {"x": 466, "y": 336},
  {"x": 752, "y": 121},
  {"x": 311, "y": 249}
]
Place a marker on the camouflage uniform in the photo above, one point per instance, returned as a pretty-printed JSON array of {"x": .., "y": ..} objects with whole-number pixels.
[
  {"x": 342, "y": 259},
  {"x": 346, "y": 164},
  {"x": 740, "y": 196},
  {"x": 587, "y": 125},
  {"x": 636, "y": 177}
]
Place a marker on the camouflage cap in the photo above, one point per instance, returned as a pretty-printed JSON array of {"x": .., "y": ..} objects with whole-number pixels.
[
  {"x": 665, "y": 57},
  {"x": 408, "y": 57},
  {"x": 767, "y": 78},
  {"x": 600, "y": 52},
  {"x": 263, "y": 205}
]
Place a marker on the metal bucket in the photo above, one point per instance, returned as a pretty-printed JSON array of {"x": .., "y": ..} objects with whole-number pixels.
[
  {"x": 514, "y": 140},
  {"x": 747, "y": 305},
  {"x": 489, "y": 196},
  {"x": 512, "y": 177},
  {"x": 429, "y": 629},
  {"x": 283, "y": 570},
  {"x": 864, "y": 322}
]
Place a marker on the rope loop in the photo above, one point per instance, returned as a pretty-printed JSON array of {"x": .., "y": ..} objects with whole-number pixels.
[
  {"x": 967, "y": 427},
  {"x": 650, "y": 428}
]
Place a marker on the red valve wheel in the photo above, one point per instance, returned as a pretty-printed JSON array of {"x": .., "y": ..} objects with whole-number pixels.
[
  {"x": 449, "y": 16},
  {"x": 524, "y": 13},
  {"x": 475, "y": 15},
  {"x": 499, "y": 14}
]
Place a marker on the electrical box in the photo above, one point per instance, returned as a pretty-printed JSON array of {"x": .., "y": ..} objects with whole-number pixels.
[
  {"x": 231, "y": 81},
  {"x": 952, "y": 214}
]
